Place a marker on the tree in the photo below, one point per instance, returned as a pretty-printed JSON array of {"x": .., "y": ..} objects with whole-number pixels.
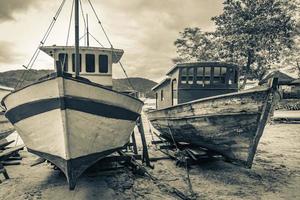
[
  {"x": 250, "y": 33},
  {"x": 195, "y": 45},
  {"x": 255, "y": 32}
]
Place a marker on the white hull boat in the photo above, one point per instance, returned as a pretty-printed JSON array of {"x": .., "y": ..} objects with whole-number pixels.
[{"x": 71, "y": 122}]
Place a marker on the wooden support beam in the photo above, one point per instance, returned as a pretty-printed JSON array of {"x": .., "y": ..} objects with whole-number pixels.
[
  {"x": 3, "y": 171},
  {"x": 144, "y": 143},
  {"x": 135, "y": 150}
]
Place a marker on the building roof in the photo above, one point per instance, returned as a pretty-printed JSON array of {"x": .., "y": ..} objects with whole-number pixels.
[
  {"x": 116, "y": 53},
  {"x": 283, "y": 79},
  {"x": 166, "y": 80},
  {"x": 201, "y": 64}
]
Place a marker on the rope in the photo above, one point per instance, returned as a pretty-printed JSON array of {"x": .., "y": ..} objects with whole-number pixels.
[
  {"x": 42, "y": 42},
  {"x": 69, "y": 30},
  {"x": 96, "y": 40},
  {"x": 82, "y": 13},
  {"x": 99, "y": 22}
]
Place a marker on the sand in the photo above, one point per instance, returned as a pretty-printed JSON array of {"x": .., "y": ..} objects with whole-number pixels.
[{"x": 275, "y": 175}]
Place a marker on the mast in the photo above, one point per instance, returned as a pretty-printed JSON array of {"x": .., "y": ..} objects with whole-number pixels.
[
  {"x": 77, "y": 59},
  {"x": 87, "y": 31}
]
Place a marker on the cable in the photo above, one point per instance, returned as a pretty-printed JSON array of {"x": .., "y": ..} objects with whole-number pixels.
[
  {"x": 96, "y": 40},
  {"x": 99, "y": 22},
  {"x": 42, "y": 42},
  {"x": 68, "y": 34}
]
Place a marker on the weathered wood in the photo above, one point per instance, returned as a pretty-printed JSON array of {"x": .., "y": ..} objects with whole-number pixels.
[
  {"x": 135, "y": 150},
  {"x": 8, "y": 163},
  {"x": 3, "y": 171},
  {"x": 262, "y": 121},
  {"x": 144, "y": 143},
  {"x": 6, "y": 133},
  {"x": 4, "y": 143},
  {"x": 226, "y": 124},
  {"x": 8, "y": 152},
  {"x": 38, "y": 161}
]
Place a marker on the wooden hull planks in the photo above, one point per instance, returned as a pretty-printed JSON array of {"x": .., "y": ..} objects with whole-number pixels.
[
  {"x": 72, "y": 123},
  {"x": 230, "y": 124}
]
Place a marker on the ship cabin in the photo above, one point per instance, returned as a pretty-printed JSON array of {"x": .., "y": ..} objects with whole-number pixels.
[
  {"x": 191, "y": 81},
  {"x": 95, "y": 62}
]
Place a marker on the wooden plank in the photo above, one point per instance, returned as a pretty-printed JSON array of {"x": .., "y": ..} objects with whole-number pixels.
[
  {"x": 8, "y": 152},
  {"x": 145, "y": 148},
  {"x": 6, "y": 133},
  {"x": 4, "y": 143}
]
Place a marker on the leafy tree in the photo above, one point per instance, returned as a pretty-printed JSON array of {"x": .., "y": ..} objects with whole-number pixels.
[
  {"x": 255, "y": 32},
  {"x": 195, "y": 45},
  {"x": 250, "y": 33}
]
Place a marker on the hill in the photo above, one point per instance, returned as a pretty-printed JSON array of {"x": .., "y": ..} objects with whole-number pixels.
[
  {"x": 141, "y": 85},
  {"x": 11, "y": 78}
]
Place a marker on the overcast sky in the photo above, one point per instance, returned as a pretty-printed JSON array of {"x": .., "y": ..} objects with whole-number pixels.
[{"x": 145, "y": 29}]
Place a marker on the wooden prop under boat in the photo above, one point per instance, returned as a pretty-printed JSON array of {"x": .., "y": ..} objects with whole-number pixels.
[
  {"x": 71, "y": 122},
  {"x": 230, "y": 124},
  {"x": 6, "y": 133}
]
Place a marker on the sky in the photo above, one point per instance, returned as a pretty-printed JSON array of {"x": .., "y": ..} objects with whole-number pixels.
[{"x": 145, "y": 29}]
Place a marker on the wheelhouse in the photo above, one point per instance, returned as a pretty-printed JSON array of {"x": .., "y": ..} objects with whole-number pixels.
[
  {"x": 95, "y": 63},
  {"x": 190, "y": 81}
]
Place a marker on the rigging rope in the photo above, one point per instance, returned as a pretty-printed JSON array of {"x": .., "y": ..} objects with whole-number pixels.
[
  {"x": 120, "y": 63},
  {"x": 42, "y": 42},
  {"x": 69, "y": 29},
  {"x": 82, "y": 13}
]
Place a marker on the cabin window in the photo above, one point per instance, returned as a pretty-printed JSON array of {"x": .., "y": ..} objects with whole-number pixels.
[
  {"x": 183, "y": 75},
  {"x": 73, "y": 62},
  {"x": 63, "y": 60},
  {"x": 199, "y": 76},
  {"x": 90, "y": 62},
  {"x": 190, "y": 76},
  {"x": 103, "y": 63},
  {"x": 162, "y": 95},
  {"x": 207, "y": 75},
  {"x": 219, "y": 75}
]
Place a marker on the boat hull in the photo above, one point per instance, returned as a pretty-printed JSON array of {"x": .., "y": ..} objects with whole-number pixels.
[
  {"x": 72, "y": 123},
  {"x": 230, "y": 125}
]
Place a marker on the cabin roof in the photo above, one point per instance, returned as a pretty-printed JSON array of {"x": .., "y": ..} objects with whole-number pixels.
[
  {"x": 166, "y": 80},
  {"x": 2, "y": 87},
  {"x": 283, "y": 79},
  {"x": 296, "y": 82},
  {"x": 201, "y": 64},
  {"x": 116, "y": 55}
]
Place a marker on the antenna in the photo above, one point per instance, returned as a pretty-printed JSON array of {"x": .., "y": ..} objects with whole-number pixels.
[
  {"x": 87, "y": 31},
  {"x": 77, "y": 59}
]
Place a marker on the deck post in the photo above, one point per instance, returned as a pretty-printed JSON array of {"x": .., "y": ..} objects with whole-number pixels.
[{"x": 145, "y": 148}]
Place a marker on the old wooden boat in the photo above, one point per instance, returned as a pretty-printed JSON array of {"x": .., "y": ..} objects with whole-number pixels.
[
  {"x": 73, "y": 118},
  {"x": 219, "y": 119}
]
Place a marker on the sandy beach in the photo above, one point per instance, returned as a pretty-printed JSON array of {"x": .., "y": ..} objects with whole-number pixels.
[{"x": 275, "y": 175}]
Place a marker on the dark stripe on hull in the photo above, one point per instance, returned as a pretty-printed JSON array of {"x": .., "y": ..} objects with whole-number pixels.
[
  {"x": 73, "y": 168},
  {"x": 69, "y": 102}
]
